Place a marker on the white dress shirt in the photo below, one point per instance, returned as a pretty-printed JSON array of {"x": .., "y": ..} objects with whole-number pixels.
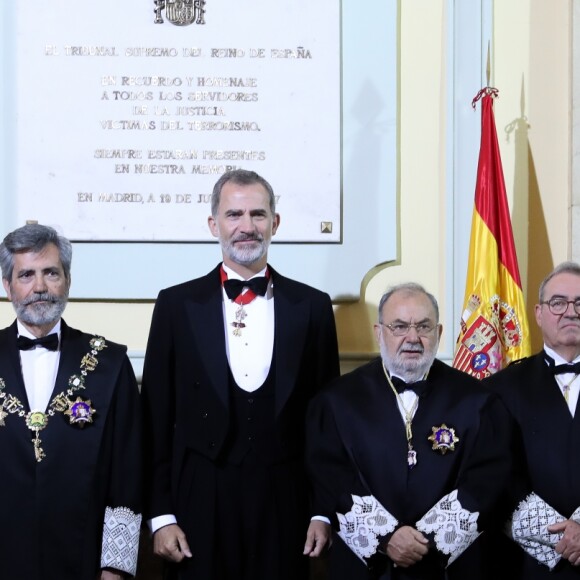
[
  {"x": 39, "y": 368},
  {"x": 566, "y": 381},
  {"x": 250, "y": 353}
]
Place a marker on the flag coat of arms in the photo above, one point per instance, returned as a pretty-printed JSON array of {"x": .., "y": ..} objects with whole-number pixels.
[{"x": 494, "y": 328}]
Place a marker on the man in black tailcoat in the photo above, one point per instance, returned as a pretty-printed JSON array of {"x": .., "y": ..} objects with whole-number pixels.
[{"x": 232, "y": 360}]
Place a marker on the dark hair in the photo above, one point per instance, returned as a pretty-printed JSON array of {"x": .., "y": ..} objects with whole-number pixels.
[
  {"x": 410, "y": 288},
  {"x": 240, "y": 177},
  {"x": 33, "y": 238}
]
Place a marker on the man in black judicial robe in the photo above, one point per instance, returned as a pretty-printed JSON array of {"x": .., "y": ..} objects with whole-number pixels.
[
  {"x": 69, "y": 428},
  {"x": 407, "y": 456},
  {"x": 226, "y": 381},
  {"x": 541, "y": 393}
]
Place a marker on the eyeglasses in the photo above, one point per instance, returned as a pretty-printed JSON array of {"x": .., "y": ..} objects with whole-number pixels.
[
  {"x": 560, "y": 305},
  {"x": 402, "y": 328}
]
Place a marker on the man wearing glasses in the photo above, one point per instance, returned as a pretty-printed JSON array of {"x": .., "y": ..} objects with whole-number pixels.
[
  {"x": 541, "y": 393},
  {"x": 407, "y": 456}
]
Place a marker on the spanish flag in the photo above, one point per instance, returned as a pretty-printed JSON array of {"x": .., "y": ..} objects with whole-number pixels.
[{"x": 494, "y": 328}]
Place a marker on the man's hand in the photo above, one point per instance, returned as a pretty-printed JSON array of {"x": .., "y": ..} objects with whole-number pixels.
[
  {"x": 318, "y": 537},
  {"x": 569, "y": 544},
  {"x": 170, "y": 543},
  {"x": 111, "y": 575},
  {"x": 407, "y": 546}
]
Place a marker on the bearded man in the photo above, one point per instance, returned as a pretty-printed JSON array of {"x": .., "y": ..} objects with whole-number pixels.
[
  {"x": 407, "y": 456},
  {"x": 232, "y": 360},
  {"x": 69, "y": 428}
]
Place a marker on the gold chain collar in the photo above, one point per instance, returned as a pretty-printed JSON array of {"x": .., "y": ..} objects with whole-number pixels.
[
  {"x": 409, "y": 413},
  {"x": 79, "y": 411}
]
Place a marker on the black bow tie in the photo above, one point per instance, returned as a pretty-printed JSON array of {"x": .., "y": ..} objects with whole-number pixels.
[
  {"x": 257, "y": 285},
  {"x": 567, "y": 368},
  {"x": 400, "y": 386},
  {"x": 50, "y": 342},
  {"x": 573, "y": 368}
]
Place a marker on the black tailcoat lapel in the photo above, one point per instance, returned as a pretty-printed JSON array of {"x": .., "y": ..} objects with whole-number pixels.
[
  {"x": 291, "y": 323},
  {"x": 206, "y": 322}
]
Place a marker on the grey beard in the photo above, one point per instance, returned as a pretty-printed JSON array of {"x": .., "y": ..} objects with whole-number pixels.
[
  {"x": 245, "y": 256},
  {"x": 30, "y": 312},
  {"x": 409, "y": 371}
]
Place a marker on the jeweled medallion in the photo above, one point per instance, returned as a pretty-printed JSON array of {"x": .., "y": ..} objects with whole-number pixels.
[
  {"x": 36, "y": 421},
  {"x": 443, "y": 438},
  {"x": 80, "y": 412},
  {"x": 239, "y": 322}
]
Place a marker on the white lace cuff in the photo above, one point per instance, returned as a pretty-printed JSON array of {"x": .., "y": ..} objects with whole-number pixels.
[
  {"x": 454, "y": 528},
  {"x": 529, "y": 528},
  {"x": 121, "y": 539},
  {"x": 361, "y": 527}
]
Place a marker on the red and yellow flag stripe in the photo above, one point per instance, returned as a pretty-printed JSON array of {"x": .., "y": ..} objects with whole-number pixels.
[{"x": 494, "y": 327}]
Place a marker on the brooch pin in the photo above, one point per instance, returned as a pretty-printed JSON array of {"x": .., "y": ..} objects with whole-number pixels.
[
  {"x": 443, "y": 439},
  {"x": 80, "y": 412}
]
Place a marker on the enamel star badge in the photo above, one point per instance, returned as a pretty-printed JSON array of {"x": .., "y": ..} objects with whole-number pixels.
[
  {"x": 443, "y": 439},
  {"x": 80, "y": 412}
]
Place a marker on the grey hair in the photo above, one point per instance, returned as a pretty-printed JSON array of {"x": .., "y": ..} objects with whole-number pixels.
[
  {"x": 240, "y": 177},
  {"x": 563, "y": 268},
  {"x": 409, "y": 288},
  {"x": 33, "y": 238}
]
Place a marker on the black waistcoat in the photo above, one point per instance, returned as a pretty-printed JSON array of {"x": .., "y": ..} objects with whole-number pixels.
[{"x": 252, "y": 436}]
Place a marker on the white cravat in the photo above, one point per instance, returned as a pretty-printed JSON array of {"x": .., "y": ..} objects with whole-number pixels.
[
  {"x": 39, "y": 368},
  {"x": 250, "y": 354},
  {"x": 566, "y": 381}
]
